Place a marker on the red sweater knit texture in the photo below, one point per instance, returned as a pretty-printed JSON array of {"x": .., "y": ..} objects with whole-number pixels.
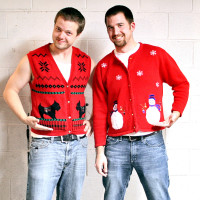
[
  {"x": 56, "y": 103},
  {"x": 132, "y": 96}
]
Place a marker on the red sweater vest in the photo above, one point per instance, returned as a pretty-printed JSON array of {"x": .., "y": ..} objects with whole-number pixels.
[{"x": 56, "y": 103}]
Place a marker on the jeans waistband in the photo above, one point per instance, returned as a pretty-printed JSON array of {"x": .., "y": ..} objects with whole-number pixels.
[
  {"x": 64, "y": 138},
  {"x": 134, "y": 138}
]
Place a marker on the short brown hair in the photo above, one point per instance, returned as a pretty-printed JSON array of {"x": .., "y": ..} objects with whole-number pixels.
[{"x": 73, "y": 15}]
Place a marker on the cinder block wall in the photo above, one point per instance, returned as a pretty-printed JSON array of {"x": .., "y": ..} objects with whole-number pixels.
[{"x": 171, "y": 24}]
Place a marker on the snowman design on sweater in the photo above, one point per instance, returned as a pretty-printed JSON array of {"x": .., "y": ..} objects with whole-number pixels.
[
  {"x": 116, "y": 118},
  {"x": 153, "y": 111}
]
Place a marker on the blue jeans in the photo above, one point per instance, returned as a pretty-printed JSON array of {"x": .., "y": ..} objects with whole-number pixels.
[
  {"x": 147, "y": 156},
  {"x": 56, "y": 164}
]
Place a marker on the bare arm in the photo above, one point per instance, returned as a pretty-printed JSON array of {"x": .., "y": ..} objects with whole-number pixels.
[{"x": 16, "y": 82}]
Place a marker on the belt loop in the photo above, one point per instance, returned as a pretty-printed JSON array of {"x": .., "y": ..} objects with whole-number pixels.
[
  {"x": 52, "y": 139},
  {"x": 120, "y": 138},
  {"x": 61, "y": 138}
]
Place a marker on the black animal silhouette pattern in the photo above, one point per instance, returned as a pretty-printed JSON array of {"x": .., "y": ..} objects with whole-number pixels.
[
  {"x": 81, "y": 109},
  {"x": 50, "y": 111}
]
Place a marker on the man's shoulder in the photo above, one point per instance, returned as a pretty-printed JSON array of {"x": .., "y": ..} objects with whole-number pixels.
[
  {"x": 79, "y": 53},
  {"x": 106, "y": 59},
  {"x": 38, "y": 52},
  {"x": 151, "y": 48}
]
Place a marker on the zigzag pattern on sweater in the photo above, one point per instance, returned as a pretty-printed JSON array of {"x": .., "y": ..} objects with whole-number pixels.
[
  {"x": 44, "y": 77},
  {"x": 82, "y": 56},
  {"x": 80, "y": 77},
  {"x": 39, "y": 55}
]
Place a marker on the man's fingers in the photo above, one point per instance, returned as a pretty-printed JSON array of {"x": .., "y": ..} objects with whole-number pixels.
[{"x": 42, "y": 128}]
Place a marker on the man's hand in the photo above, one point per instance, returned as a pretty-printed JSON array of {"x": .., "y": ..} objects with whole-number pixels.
[
  {"x": 101, "y": 162},
  {"x": 33, "y": 123},
  {"x": 87, "y": 128},
  {"x": 172, "y": 118}
]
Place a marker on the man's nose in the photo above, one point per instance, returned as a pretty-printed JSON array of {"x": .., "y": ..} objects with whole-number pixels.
[{"x": 116, "y": 31}]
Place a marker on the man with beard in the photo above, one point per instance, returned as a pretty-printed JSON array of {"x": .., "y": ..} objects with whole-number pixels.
[
  {"x": 57, "y": 74},
  {"x": 128, "y": 135}
]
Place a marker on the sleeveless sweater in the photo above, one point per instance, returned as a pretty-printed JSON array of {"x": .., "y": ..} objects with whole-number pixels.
[{"x": 56, "y": 103}]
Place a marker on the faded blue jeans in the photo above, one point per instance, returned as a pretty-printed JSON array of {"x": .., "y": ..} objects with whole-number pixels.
[
  {"x": 147, "y": 156},
  {"x": 53, "y": 164}
]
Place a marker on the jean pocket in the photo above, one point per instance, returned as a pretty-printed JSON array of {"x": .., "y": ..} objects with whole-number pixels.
[
  {"x": 39, "y": 143},
  {"x": 111, "y": 140},
  {"x": 84, "y": 142},
  {"x": 155, "y": 140}
]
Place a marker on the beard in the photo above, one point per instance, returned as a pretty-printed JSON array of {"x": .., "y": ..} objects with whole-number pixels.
[{"x": 120, "y": 43}]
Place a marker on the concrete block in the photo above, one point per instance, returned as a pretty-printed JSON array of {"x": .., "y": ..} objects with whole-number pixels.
[
  {"x": 196, "y": 5},
  {"x": 92, "y": 188},
  {"x": 15, "y": 5},
  {"x": 193, "y": 78},
  {"x": 177, "y": 136},
  {"x": 3, "y": 137},
  {"x": 40, "y": 43},
  {"x": 105, "y": 5},
  {"x": 30, "y": 25},
  {"x": 78, "y": 4},
  {"x": 94, "y": 22},
  {"x": 13, "y": 165},
  {"x": 97, "y": 49},
  {"x": 197, "y": 53},
  {"x": 7, "y": 116},
  {"x": 81, "y": 44},
  {"x": 12, "y": 52},
  {"x": 4, "y": 73},
  {"x": 18, "y": 188},
  {"x": 182, "y": 52},
  {"x": 3, "y": 26},
  {"x": 178, "y": 162},
  {"x": 194, "y": 162},
  {"x": 166, "y": 5},
  {"x": 17, "y": 140},
  {"x": 195, "y": 109},
  {"x": 193, "y": 189},
  {"x": 91, "y": 170},
  {"x": 5, "y": 188},
  {"x": 181, "y": 24},
  {"x": 43, "y": 5},
  {"x": 178, "y": 188},
  {"x": 151, "y": 26}
]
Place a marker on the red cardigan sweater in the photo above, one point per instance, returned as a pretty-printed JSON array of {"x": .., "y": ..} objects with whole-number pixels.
[
  {"x": 56, "y": 103},
  {"x": 130, "y": 96}
]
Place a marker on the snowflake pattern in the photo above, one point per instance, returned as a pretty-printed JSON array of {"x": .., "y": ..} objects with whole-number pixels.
[
  {"x": 81, "y": 67},
  {"x": 44, "y": 66},
  {"x": 157, "y": 84},
  {"x": 153, "y": 53},
  {"x": 104, "y": 65},
  {"x": 118, "y": 77},
  {"x": 139, "y": 73}
]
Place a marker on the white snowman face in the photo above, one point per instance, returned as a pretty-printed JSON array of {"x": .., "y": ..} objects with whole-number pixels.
[
  {"x": 152, "y": 102},
  {"x": 115, "y": 107}
]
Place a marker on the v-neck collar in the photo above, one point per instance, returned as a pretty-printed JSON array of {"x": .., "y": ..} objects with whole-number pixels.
[{"x": 57, "y": 68}]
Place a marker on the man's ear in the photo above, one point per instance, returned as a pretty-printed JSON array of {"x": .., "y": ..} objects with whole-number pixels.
[{"x": 132, "y": 26}]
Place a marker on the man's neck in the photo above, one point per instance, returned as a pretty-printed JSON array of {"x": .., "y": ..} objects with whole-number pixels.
[
  {"x": 126, "y": 48},
  {"x": 61, "y": 55}
]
